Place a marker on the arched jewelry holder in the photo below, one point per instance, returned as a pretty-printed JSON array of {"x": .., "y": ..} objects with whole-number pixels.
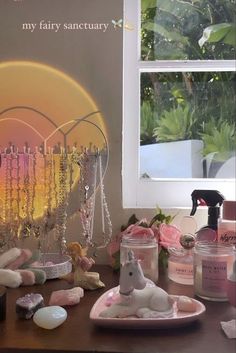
[{"x": 38, "y": 181}]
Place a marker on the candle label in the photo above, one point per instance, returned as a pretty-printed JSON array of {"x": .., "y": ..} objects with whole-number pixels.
[
  {"x": 214, "y": 276},
  {"x": 180, "y": 270},
  {"x": 227, "y": 236}
]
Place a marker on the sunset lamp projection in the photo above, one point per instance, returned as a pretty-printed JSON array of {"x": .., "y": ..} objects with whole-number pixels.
[{"x": 53, "y": 155}]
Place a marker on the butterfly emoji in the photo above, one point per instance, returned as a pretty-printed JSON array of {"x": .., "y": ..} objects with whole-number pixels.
[{"x": 118, "y": 23}]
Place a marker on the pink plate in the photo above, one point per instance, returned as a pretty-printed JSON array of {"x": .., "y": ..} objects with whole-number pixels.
[{"x": 179, "y": 317}]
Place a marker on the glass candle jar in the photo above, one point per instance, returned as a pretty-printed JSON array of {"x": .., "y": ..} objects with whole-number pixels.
[
  {"x": 180, "y": 262},
  {"x": 180, "y": 266},
  {"x": 227, "y": 224},
  {"x": 212, "y": 264},
  {"x": 145, "y": 249}
]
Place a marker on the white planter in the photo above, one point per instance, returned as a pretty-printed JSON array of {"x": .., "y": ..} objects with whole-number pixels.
[
  {"x": 179, "y": 159},
  {"x": 217, "y": 169}
]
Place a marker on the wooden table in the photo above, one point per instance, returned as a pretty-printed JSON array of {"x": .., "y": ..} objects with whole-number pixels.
[{"x": 79, "y": 334}]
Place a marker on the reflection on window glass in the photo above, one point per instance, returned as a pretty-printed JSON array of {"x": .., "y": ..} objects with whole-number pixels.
[
  {"x": 188, "y": 30},
  {"x": 187, "y": 125}
]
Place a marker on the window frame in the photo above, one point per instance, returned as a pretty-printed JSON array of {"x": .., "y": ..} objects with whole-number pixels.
[{"x": 146, "y": 193}]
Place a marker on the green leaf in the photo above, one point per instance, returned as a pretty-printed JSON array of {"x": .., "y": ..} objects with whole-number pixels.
[
  {"x": 216, "y": 33},
  {"x": 176, "y": 7},
  {"x": 169, "y": 35},
  {"x": 230, "y": 37},
  {"x": 147, "y": 4},
  {"x": 219, "y": 138},
  {"x": 176, "y": 124},
  {"x": 116, "y": 261},
  {"x": 132, "y": 220},
  {"x": 148, "y": 123}
]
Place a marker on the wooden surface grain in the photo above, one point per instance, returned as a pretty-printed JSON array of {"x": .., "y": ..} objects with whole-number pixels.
[{"x": 79, "y": 334}]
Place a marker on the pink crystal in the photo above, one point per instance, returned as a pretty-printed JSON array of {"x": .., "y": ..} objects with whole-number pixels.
[
  {"x": 66, "y": 296},
  {"x": 41, "y": 264}
]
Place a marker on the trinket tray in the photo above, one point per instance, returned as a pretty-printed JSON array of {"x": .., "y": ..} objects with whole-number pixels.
[
  {"x": 179, "y": 318},
  {"x": 60, "y": 265}
]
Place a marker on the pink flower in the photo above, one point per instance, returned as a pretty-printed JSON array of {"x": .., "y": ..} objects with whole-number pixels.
[
  {"x": 138, "y": 231},
  {"x": 166, "y": 236},
  {"x": 169, "y": 235}
]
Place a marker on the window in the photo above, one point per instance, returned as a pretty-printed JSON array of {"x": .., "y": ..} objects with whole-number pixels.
[{"x": 179, "y": 75}]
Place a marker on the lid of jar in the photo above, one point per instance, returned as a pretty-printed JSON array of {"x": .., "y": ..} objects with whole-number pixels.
[
  {"x": 229, "y": 210},
  {"x": 140, "y": 239},
  {"x": 213, "y": 248}
]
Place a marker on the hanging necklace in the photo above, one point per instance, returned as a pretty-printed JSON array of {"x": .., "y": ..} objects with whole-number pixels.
[
  {"x": 26, "y": 227},
  {"x": 7, "y": 197},
  {"x": 105, "y": 214},
  {"x": 91, "y": 163},
  {"x": 62, "y": 202},
  {"x": 86, "y": 191}
]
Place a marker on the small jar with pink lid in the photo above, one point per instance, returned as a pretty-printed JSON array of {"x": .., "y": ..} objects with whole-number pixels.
[{"x": 227, "y": 224}]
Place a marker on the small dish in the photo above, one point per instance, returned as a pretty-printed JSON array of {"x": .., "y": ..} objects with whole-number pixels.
[{"x": 179, "y": 317}]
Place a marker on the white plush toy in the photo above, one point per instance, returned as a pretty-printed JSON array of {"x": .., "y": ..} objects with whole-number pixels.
[
  {"x": 136, "y": 298},
  {"x": 15, "y": 269}
]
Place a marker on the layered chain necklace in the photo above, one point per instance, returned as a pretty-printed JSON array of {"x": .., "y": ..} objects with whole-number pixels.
[
  {"x": 45, "y": 180},
  {"x": 91, "y": 181}
]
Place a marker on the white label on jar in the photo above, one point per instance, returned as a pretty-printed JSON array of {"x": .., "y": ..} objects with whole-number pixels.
[
  {"x": 214, "y": 276},
  {"x": 184, "y": 271}
]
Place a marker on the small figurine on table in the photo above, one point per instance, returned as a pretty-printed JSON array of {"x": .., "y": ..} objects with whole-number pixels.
[
  {"x": 142, "y": 299},
  {"x": 81, "y": 264}
]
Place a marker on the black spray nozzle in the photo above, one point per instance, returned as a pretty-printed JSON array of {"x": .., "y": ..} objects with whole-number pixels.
[
  {"x": 209, "y": 198},
  {"x": 213, "y": 199}
]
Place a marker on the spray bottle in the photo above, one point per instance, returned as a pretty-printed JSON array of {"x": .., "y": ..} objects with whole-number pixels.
[{"x": 213, "y": 199}]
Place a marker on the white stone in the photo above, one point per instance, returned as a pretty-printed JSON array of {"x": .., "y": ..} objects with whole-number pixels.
[{"x": 50, "y": 317}]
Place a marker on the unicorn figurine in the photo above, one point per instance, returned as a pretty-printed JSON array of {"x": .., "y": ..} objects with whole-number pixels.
[{"x": 136, "y": 297}]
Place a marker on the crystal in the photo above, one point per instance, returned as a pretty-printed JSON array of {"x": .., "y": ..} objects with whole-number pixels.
[
  {"x": 229, "y": 328},
  {"x": 50, "y": 317},
  {"x": 26, "y": 306},
  {"x": 66, "y": 296}
]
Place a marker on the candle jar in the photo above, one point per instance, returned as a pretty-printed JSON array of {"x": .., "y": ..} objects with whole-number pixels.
[
  {"x": 231, "y": 283},
  {"x": 212, "y": 264},
  {"x": 145, "y": 249},
  {"x": 227, "y": 224},
  {"x": 180, "y": 266},
  {"x": 180, "y": 262}
]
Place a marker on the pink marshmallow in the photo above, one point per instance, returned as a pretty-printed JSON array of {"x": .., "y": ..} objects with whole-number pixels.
[
  {"x": 28, "y": 277},
  {"x": 25, "y": 255},
  {"x": 66, "y": 296}
]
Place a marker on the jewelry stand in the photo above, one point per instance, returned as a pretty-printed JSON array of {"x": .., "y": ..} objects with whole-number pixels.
[{"x": 35, "y": 186}]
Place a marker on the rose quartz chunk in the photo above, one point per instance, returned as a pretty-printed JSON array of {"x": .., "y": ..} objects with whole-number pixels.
[
  {"x": 186, "y": 304},
  {"x": 28, "y": 277},
  {"x": 24, "y": 256},
  {"x": 66, "y": 296}
]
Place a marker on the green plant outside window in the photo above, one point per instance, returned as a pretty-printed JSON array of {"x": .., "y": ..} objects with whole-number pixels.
[{"x": 189, "y": 105}]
